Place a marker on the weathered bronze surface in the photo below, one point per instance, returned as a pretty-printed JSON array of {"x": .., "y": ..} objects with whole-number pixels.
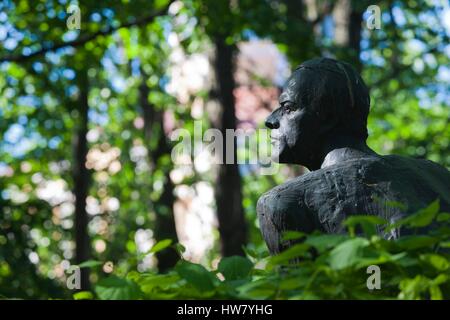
[{"x": 322, "y": 124}]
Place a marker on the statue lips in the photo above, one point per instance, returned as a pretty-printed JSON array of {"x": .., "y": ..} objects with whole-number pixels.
[{"x": 275, "y": 141}]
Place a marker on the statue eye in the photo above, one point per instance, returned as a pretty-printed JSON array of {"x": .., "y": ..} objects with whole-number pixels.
[{"x": 288, "y": 107}]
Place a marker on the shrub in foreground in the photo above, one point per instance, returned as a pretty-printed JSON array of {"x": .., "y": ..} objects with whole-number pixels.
[{"x": 316, "y": 266}]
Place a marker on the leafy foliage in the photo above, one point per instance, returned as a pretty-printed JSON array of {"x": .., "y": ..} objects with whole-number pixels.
[{"x": 320, "y": 266}]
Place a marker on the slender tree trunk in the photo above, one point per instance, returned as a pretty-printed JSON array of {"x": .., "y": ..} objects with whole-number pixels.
[
  {"x": 354, "y": 31},
  {"x": 165, "y": 221},
  {"x": 348, "y": 19},
  {"x": 341, "y": 15},
  {"x": 228, "y": 190},
  {"x": 81, "y": 180},
  {"x": 165, "y": 227},
  {"x": 300, "y": 36}
]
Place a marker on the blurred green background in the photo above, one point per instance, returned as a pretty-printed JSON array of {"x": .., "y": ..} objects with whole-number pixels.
[{"x": 86, "y": 118}]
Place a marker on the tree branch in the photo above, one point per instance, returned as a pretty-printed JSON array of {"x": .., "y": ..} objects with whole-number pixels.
[{"x": 86, "y": 38}]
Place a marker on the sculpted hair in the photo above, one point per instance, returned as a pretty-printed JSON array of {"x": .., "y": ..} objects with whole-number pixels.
[{"x": 335, "y": 89}]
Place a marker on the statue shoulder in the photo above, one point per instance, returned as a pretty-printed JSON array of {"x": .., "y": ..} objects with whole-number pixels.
[
  {"x": 283, "y": 208},
  {"x": 290, "y": 191},
  {"x": 295, "y": 189},
  {"x": 310, "y": 190},
  {"x": 291, "y": 198}
]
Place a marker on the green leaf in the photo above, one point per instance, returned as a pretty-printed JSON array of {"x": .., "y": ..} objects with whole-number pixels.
[
  {"x": 250, "y": 252},
  {"x": 90, "y": 264},
  {"x": 416, "y": 242},
  {"x": 438, "y": 262},
  {"x": 407, "y": 261},
  {"x": 440, "y": 279},
  {"x": 347, "y": 253},
  {"x": 180, "y": 248},
  {"x": 368, "y": 223},
  {"x": 159, "y": 4},
  {"x": 412, "y": 288},
  {"x": 390, "y": 203},
  {"x": 258, "y": 289},
  {"x": 442, "y": 217},
  {"x": 114, "y": 288},
  {"x": 292, "y": 235},
  {"x": 196, "y": 275},
  {"x": 293, "y": 252},
  {"x": 445, "y": 244},
  {"x": 325, "y": 241},
  {"x": 83, "y": 295},
  {"x": 151, "y": 282},
  {"x": 256, "y": 254},
  {"x": 435, "y": 293},
  {"x": 160, "y": 245},
  {"x": 421, "y": 218},
  {"x": 234, "y": 268}
]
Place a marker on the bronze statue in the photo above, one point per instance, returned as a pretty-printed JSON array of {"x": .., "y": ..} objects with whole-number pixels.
[{"x": 321, "y": 124}]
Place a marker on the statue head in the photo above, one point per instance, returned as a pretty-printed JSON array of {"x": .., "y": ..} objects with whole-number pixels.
[{"x": 322, "y": 99}]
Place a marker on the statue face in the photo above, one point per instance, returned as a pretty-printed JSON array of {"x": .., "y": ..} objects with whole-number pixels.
[{"x": 295, "y": 127}]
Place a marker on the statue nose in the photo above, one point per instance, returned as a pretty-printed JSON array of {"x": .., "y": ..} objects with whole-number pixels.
[{"x": 272, "y": 123}]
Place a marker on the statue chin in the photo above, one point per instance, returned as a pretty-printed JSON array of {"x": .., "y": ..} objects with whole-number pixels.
[
  {"x": 275, "y": 158},
  {"x": 279, "y": 152},
  {"x": 276, "y": 154}
]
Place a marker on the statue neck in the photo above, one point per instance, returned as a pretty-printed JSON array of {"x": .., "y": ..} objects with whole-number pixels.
[{"x": 343, "y": 147}]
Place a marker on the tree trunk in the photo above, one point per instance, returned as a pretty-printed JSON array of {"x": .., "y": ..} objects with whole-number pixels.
[
  {"x": 228, "y": 193},
  {"x": 348, "y": 20},
  {"x": 354, "y": 31},
  {"x": 165, "y": 222},
  {"x": 299, "y": 36},
  {"x": 81, "y": 180}
]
